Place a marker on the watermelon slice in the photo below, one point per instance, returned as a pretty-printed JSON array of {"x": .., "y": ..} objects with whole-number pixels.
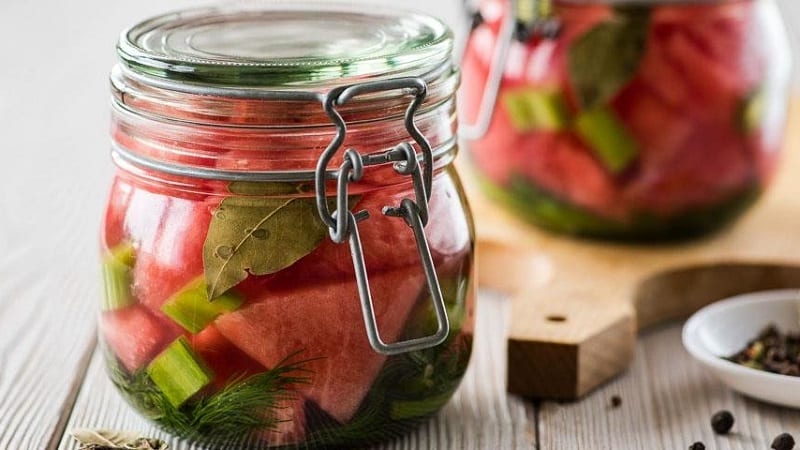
[
  {"x": 174, "y": 258},
  {"x": 560, "y": 163},
  {"x": 715, "y": 91},
  {"x": 135, "y": 335},
  {"x": 708, "y": 167},
  {"x": 325, "y": 321},
  {"x": 223, "y": 358},
  {"x": 653, "y": 121},
  {"x": 114, "y": 219}
]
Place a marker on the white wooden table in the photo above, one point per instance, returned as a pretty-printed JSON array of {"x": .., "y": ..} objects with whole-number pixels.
[{"x": 54, "y": 173}]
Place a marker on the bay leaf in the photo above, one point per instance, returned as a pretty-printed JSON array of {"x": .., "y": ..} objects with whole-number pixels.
[
  {"x": 258, "y": 235},
  {"x": 606, "y": 57},
  {"x": 115, "y": 440}
]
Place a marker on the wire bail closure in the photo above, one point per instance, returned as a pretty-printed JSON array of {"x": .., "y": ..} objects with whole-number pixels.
[{"x": 343, "y": 223}]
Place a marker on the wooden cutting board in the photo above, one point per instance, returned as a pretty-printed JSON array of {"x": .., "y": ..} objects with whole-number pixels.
[{"x": 577, "y": 305}]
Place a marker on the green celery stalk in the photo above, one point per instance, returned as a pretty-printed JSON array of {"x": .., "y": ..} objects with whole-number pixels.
[
  {"x": 192, "y": 310},
  {"x": 179, "y": 373},
  {"x": 531, "y": 109},
  {"x": 607, "y": 136},
  {"x": 752, "y": 111},
  {"x": 117, "y": 277}
]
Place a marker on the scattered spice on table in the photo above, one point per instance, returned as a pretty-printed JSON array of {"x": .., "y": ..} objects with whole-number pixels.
[
  {"x": 697, "y": 446},
  {"x": 616, "y": 401},
  {"x": 783, "y": 441},
  {"x": 771, "y": 351},
  {"x": 722, "y": 422}
]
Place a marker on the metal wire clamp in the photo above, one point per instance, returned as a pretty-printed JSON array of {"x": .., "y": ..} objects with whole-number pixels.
[{"x": 343, "y": 223}]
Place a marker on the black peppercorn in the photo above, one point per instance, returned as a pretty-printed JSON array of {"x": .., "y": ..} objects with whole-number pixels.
[
  {"x": 722, "y": 422},
  {"x": 784, "y": 441},
  {"x": 616, "y": 401},
  {"x": 697, "y": 446}
]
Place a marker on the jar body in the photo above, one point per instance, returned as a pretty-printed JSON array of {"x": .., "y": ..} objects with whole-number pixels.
[
  {"x": 290, "y": 347},
  {"x": 637, "y": 121}
]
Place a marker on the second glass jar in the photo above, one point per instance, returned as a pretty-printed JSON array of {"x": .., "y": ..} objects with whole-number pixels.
[{"x": 638, "y": 120}]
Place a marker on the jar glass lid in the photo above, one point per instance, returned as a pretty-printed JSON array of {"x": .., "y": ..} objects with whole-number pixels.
[{"x": 278, "y": 44}]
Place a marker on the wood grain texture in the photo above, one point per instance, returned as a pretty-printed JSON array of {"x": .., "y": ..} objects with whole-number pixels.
[
  {"x": 667, "y": 403},
  {"x": 577, "y": 303},
  {"x": 47, "y": 313},
  {"x": 480, "y": 416}
]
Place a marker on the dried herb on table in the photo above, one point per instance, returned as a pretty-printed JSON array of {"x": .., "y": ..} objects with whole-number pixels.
[
  {"x": 771, "y": 351},
  {"x": 115, "y": 440}
]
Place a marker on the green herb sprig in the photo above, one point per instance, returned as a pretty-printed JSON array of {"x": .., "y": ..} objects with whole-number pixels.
[{"x": 230, "y": 416}]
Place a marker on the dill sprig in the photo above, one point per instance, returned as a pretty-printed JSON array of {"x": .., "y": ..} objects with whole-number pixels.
[{"x": 246, "y": 404}]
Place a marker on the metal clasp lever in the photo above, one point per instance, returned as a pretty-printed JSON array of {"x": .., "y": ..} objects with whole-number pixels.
[{"x": 343, "y": 223}]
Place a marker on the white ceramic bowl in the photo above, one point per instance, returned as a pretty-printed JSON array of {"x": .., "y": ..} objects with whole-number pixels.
[{"x": 723, "y": 328}]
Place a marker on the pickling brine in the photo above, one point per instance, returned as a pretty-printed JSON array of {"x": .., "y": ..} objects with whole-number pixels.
[
  {"x": 234, "y": 309},
  {"x": 632, "y": 120}
]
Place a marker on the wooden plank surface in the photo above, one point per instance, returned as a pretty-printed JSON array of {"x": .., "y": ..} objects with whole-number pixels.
[{"x": 667, "y": 402}]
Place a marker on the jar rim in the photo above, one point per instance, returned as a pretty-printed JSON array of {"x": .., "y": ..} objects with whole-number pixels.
[{"x": 309, "y": 44}]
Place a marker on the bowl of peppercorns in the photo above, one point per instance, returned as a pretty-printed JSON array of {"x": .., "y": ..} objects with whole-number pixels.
[{"x": 751, "y": 343}]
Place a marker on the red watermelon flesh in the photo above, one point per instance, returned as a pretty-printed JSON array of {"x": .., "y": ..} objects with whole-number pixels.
[
  {"x": 114, "y": 220},
  {"x": 560, "y": 163},
  {"x": 228, "y": 363},
  {"x": 325, "y": 321},
  {"x": 663, "y": 77},
  {"x": 224, "y": 359},
  {"x": 660, "y": 128},
  {"x": 709, "y": 166},
  {"x": 135, "y": 335},
  {"x": 175, "y": 257},
  {"x": 144, "y": 213},
  {"x": 490, "y": 154},
  {"x": 715, "y": 91}
]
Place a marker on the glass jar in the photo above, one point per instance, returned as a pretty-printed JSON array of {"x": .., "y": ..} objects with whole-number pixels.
[
  {"x": 639, "y": 120},
  {"x": 287, "y": 251}
]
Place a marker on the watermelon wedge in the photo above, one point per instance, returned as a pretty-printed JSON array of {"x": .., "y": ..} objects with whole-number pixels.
[
  {"x": 223, "y": 358},
  {"x": 114, "y": 219},
  {"x": 135, "y": 335},
  {"x": 174, "y": 257},
  {"x": 325, "y": 321}
]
